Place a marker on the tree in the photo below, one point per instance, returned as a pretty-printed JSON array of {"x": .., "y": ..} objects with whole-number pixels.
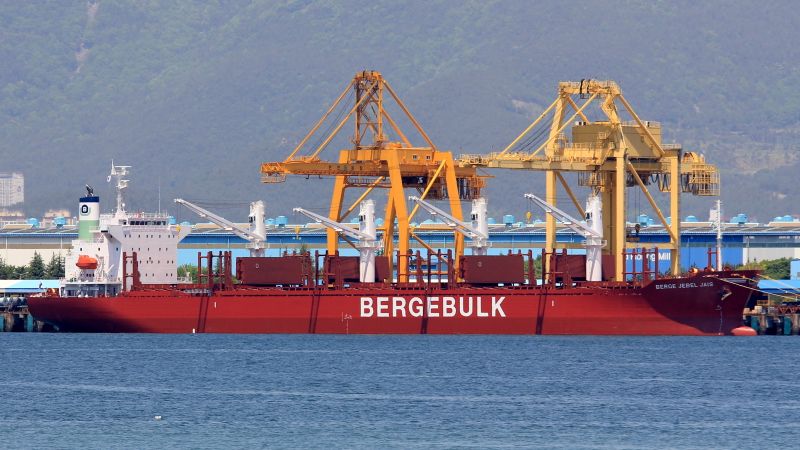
[
  {"x": 777, "y": 269},
  {"x": 537, "y": 267},
  {"x": 188, "y": 270},
  {"x": 36, "y": 269},
  {"x": 55, "y": 268}
]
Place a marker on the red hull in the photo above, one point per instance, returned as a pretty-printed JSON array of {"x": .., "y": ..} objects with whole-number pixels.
[{"x": 687, "y": 306}]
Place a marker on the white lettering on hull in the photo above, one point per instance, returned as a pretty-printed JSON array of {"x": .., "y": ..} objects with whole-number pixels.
[
  {"x": 684, "y": 285},
  {"x": 430, "y": 307}
]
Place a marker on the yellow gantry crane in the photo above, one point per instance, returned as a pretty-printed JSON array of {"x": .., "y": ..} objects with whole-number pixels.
[
  {"x": 609, "y": 156},
  {"x": 375, "y": 162}
]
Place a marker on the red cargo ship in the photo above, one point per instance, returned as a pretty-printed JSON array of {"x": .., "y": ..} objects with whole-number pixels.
[{"x": 707, "y": 303}]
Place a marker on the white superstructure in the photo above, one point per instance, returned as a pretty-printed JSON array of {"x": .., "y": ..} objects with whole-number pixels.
[{"x": 94, "y": 265}]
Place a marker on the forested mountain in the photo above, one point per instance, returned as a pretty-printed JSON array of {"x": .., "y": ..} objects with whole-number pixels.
[{"x": 195, "y": 94}]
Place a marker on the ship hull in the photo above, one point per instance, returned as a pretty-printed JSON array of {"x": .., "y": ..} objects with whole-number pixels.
[{"x": 687, "y": 306}]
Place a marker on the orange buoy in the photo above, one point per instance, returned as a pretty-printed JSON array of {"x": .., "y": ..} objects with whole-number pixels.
[
  {"x": 744, "y": 331},
  {"x": 86, "y": 262}
]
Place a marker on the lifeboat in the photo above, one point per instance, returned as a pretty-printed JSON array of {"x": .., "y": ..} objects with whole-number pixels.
[{"x": 86, "y": 262}]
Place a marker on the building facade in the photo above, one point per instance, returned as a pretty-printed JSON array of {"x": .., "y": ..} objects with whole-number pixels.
[
  {"x": 740, "y": 244},
  {"x": 12, "y": 189}
]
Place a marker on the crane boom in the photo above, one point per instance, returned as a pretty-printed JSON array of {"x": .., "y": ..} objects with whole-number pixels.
[
  {"x": 462, "y": 227},
  {"x": 366, "y": 234},
  {"x": 335, "y": 226},
  {"x": 565, "y": 218},
  {"x": 256, "y": 236},
  {"x": 592, "y": 231},
  {"x": 477, "y": 231}
]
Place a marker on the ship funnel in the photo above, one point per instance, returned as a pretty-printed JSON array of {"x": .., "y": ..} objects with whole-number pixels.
[{"x": 88, "y": 216}]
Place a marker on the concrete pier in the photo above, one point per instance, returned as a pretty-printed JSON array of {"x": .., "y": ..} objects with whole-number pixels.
[
  {"x": 774, "y": 321},
  {"x": 20, "y": 320}
]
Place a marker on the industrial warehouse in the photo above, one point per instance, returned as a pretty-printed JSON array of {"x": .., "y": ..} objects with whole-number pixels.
[{"x": 742, "y": 241}]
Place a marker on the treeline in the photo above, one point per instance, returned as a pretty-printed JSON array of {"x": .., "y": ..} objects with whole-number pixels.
[
  {"x": 776, "y": 269},
  {"x": 36, "y": 270}
]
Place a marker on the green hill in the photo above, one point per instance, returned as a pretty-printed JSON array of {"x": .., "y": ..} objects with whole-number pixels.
[{"x": 196, "y": 94}]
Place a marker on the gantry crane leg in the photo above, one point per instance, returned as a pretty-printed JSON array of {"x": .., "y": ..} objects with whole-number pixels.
[
  {"x": 398, "y": 201},
  {"x": 455, "y": 202},
  {"x": 388, "y": 227},
  {"x": 607, "y": 196},
  {"x": 618, "y": 227},
  {"x": 550, "y": 221},
  {"x": 337, "y": 201},
  {"x": 675, "y": 211}
]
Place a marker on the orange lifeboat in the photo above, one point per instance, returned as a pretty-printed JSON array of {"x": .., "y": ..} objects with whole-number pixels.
[{"x": 86, "y": 262}]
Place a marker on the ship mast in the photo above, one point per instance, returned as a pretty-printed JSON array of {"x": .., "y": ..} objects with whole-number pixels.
[{"x": 118, "y": 172}]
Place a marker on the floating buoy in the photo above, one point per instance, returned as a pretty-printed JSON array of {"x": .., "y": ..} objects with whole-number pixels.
[
  {"x": 158, "y": 417},
  {"x": 744, "y": 331}
]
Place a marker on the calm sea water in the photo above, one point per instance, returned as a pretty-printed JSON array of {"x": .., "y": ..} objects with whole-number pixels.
[{"x": 300, "y": 391}]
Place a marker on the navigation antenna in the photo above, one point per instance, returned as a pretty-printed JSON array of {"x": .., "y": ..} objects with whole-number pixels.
[{"x": 118, "y": 172}]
